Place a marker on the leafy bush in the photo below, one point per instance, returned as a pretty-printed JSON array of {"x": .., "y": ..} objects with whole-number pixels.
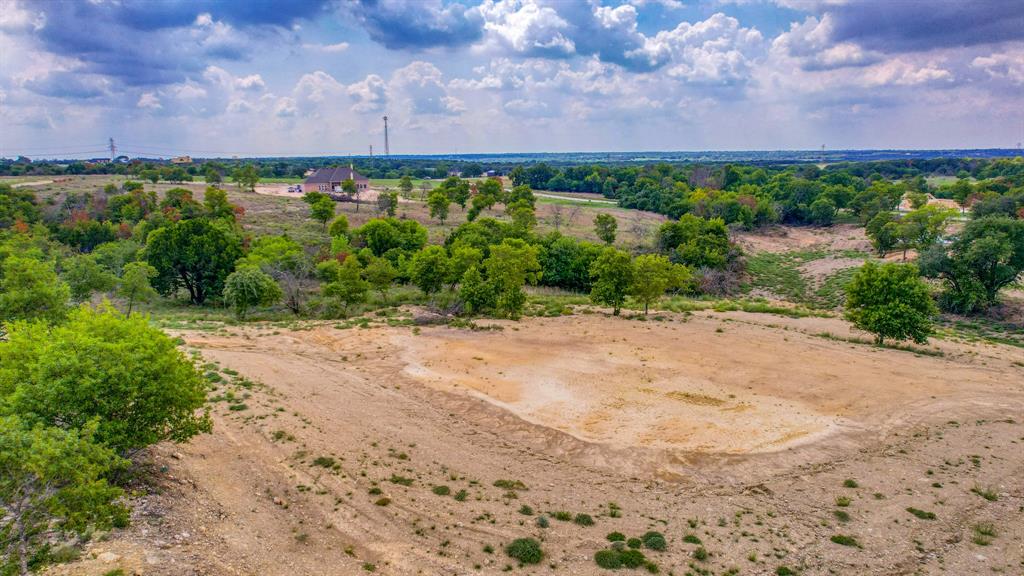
[
  {"x": 845, "y": 540},
  {"x": 441, "y": 490},
  {"x": 634, "y": 543},
  {"x": 608, "y": 559},
  {"x": 525, "y": 550},
  {"x": 583, "y": 520},
  {"x": 654, "y": 540},
  {"x": 921, "y": 513},
  {"x": 100, "y": 365},
  {"x": 616, "y": 537}
]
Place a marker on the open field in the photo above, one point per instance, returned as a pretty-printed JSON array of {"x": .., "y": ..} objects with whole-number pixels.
[{"x": 327, "y": 458}]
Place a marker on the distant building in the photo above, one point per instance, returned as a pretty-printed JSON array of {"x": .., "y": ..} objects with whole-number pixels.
[
  {"x": 905, "y": 205},
  {"x": 330, "y": 179},
  {"x": 181, "y": 160}
]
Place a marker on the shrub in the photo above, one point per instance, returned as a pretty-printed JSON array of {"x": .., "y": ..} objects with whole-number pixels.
[
  {"x": 654, "y": 541},
  {"x": 842, "y": 501},
  {"x": 383, "y": 501},
  {"x": 692, "y": 539},
  {"x": 441, "y": 490},
  {"x": 561, "y": 515},
  {"x": 525, "y": 550},
  {"x": 99, "y": 365},
  {"x": 700, "y": 554},
  {"x": 510, "y": 485},
  {"x": 542, "y": 522},
  {"x": 634, "y": 543},
  {"x": 460, "y": 496},
  {"x": 583, "y": 520},
  {"x": 632, "y": 558},
  {"x": 608, "y": 559},
  {"x": 396, "y": 479},
  {"x": 921, "y": 513},
  {"x": 845, "y": 540},
  {"x": 526, "y": 510},
  {"x": 850, "y": 483},
  {"x": 616, "y": 537}
]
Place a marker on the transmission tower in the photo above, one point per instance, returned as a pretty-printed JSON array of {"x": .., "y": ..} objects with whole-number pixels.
[
  {"x": 113, "y": 149},
  {"x": 387, "y": 148}
]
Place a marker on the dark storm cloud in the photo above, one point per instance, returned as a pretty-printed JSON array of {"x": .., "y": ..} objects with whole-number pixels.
[
  {"x": 153, "y": 42},
  {"x": 917, "y": 25},
  {"x": 418, "y": 25}
]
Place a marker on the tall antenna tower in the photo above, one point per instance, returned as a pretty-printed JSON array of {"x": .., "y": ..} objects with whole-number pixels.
[
  {"x": 387, "y": 149},
  {"x": 113, "y": 149},
  {"x": 371, "y": 150}
]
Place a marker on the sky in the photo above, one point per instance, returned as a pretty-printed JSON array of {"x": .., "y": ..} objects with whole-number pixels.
[{"x": 314, "y": 77}]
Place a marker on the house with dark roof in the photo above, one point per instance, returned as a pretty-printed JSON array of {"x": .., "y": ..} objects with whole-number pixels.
[{"x": 330, "y": 179}]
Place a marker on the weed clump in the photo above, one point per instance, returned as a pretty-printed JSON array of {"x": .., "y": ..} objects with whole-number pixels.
[
  {"x": 441, "y": 490},
  {"x": 845, "y": 541},
  {"x": 525, "y": 550},
  {"x": 921, "y": 513}
]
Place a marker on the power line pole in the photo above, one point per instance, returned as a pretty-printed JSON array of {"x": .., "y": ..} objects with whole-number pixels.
[
  {"x": 387, "y": 148},
  {"x": 371, "y": 150},
  {"x": 113, "y": 149}
]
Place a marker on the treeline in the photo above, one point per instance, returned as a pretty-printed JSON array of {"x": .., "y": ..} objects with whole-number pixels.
[{"x": 752, "y": 196}]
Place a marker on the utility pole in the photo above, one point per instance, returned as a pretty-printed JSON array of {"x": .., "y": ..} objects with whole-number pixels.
[
  {"x": 113, "y": 149},
  {"x": 371, "y": 150},
  {"x": 387, "y": 149}
]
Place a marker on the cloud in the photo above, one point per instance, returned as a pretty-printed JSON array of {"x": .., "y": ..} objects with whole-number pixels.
[
  {"x": 336, "y": 48},
  {"x": 149, "y": 100},
  {"x": 811, "y": 43},
  {"x": 369, "y": 95},
  {"x": 250, "y": 82},
  {"x": 716, "y": 51},
  {"x": 895, "y": 26},
  {"x": 1008, "y": 65},
  {"x": 420, "y": 85},
  {"x": 526, "y": 27},
  {"x": 418, "y": 25}
]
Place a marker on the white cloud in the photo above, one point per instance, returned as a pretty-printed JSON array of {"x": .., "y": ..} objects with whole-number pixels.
[
  {"x": 250, "y": 82},
  {"x": 811, "y": 44},
  {"x": 1008, "y": 65},
  {"x": 149, "y": 100},
  {"x": 369, "y": 95},
  {"x": 336, "y": 48},
  {"x": 526, "y": 27}
]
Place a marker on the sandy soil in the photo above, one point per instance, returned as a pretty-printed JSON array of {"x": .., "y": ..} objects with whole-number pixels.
[
  {"x": 737, "y": 428},
  {"x": 787, "y": 239}
]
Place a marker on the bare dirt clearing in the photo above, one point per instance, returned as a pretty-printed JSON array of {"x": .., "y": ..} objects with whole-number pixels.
[{"x": 379, "y": 448}]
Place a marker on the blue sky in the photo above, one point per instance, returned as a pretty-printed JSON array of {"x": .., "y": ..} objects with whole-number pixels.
[{"x": 267, "y": 77}]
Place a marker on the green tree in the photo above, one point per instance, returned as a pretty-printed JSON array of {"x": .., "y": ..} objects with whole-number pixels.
[
  {"x": 135, "y": 284},
  {"x": 475, "y": 293},
  {"x": 246, "y": 176},
  {"x": 462, "y": 259},
  {"x": 212, "y": 175},
  {"x": 346, "y": 283},
  {"x": 890, "y": 301},
  {"x": 286, "y": 262},
  {"x": 339, "y": 227},
  {"x": 215, "y": 201},
  {"x": 380, "y": 274},
  {"x": 612, "y": 273},
  {"x": 429, "y": 269},
  {"x": 382, "y": 235},
  {"x": 653, "y": 274},
  {"x": 882, "y": 230},
  {"x": 917, "y": 200},
  {"x": 986, "y": 256},
  {"x": 99, "y": 365},
  {"x": 197, "y": 254},
  {"x": 387, "y": 202},
  {"x": 248, "y": 286},
  {"x": 510, "y": 266},
  {"x": 405, "y": 185},
  {"x": 322, "y": 211},
  {"x": 605, "y": 226},
  {"x": 84, "y": 276},
  {"x": 51, "y": 486},
  {"x": 457, "y": 190},
  {"x": 350, "y": 188},
  {"x": 921, "y": 228},
  {"x": 17, "y": 205},
  {"x": 438, "y": 203},
  {"x": 30, "y": 289},
  {"x": 823, "y": 211}
]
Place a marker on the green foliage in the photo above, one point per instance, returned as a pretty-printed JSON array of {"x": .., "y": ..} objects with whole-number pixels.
[
  {"x": 653, "y": 274},
  {"x": 823, "y": 211},
  {"x": 986, "y": 256},
  {"x": 339, "y": 227},
  {"x": 654, "y": 540},
  {"x": 51, "y": 485},
  {"x": 890, "y": 301},
  {"x": 135, "y": 284},
  {"x": 197, "y": 254},
  {"x": 608, "y": 559},
  {"x": 247, "y": 287},
  {"x": 566, "y": 262},
  {"x": 922, "y": 514},
  {"x": 382, "y": 235},
  {"x": 429, "y": 269},
  {"x": 696, "y": 242},
  {"x": 616, "y": 537},
  {"x": 84, "y": 276},
  {"x": 510, "y": 266},
  {"x": 613, "y": 278},
  {"x": 476, "y": 294},
  {"x": 30, "y": 289},
  {"x": 17, "y": 205},
  {"x": 380, "y": 274},
  {"x": 605, "y": 226},
  {"x": 101, "y": 365},
  {"x": 344, "y": 282},
  {"x": 583, "y": 520},
  {"x": 322, "y": 211},
  {"x": 246, "y": 176},
  {"x": 844, "y": 540},
  {"x": 438, "y": 203},
  {"x": 525, "y": 550}
]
